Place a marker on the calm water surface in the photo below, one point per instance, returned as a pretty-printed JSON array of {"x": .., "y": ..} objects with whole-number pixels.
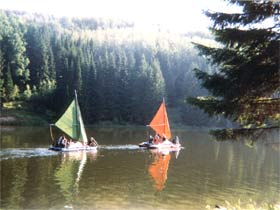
[{"x": 122, "y": 176}]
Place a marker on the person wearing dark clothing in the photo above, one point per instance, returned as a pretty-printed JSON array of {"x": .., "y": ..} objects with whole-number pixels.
[{"x": 150, "y": 140}]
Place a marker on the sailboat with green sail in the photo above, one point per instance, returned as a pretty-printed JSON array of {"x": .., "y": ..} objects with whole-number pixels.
[{"x": 71, "y": 123}]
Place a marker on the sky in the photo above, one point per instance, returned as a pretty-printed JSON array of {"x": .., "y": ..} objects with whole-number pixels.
[{"x": 174, "y": 15}]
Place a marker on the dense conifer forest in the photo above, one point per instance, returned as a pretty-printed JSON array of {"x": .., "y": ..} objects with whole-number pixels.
[{"x": 120, "y": 74}]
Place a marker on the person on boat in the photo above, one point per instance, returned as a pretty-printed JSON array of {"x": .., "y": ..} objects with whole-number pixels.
[
  {"x": 58, "y": 142},
  {"x": 92, "y": 142},
  {"x": 64, "y": 142},
  {"x": 69, "y": 142},
  {"x": 156, "y": 139},
  {"x": 163, "y": 137},
  {"x": 61, "y": 141},
  {"x": 176, "y": 140},
  {"x": 150, "y": 139}
]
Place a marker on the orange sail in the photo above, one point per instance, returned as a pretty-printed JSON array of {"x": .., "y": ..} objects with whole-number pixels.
[{"x": 160, "y": 122}]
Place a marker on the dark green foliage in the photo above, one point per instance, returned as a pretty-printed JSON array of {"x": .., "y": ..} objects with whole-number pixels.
[
  {"x": 1, "y": 78},
  {"x": 13, "y": 51},
  {"x": 248, "y": 63},
  {"x": 9, "y": 84},
  {"x": 39, "y": 52}
]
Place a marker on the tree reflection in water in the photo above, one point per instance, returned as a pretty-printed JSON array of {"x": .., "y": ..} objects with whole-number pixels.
[{"x": 267, "y": 136}]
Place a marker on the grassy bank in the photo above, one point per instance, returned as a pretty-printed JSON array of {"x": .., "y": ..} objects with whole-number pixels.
[{"x": 20, "y": 117}]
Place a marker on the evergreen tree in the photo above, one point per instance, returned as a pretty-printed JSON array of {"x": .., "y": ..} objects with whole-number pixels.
[
  {"x": 39, "y": 50},
  {"x": 91, "y": 94},
  {"x": 123, "y": 88},
  {"x": 155, "y": 89},
  {"x": 9, "y": 85},
  {"x": 77, "y": 77},
  {"x": 1, "y": 78},
  {"x": 248, "y": 77},
  {"x": 140, "y": 83},
  {"x": 13, "y": 49}
]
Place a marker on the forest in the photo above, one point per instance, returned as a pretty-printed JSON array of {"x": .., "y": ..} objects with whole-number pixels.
[{"x": 120, "y": 75}]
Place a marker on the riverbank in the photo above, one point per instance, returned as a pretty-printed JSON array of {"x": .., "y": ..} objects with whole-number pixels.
[
  {"x": 22, "y": 117},
  {"x": 15, "y": 117}
]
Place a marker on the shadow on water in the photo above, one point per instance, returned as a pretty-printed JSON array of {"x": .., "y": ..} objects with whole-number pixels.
[{"x": 266, "y": 136}]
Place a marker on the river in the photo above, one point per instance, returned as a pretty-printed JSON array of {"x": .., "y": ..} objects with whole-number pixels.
[{"x": 122, "y": 176}]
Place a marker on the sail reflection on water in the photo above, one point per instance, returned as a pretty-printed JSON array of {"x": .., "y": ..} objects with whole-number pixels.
[
  {"x": 159, "y": 167},
  {"x": 69, "y": 174}
]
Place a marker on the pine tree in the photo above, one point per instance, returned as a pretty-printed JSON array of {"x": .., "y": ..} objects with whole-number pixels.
[
  {"x": 13, "y": 49},
  {"x": 1, "y": 78},
  {"x": 155, "y": 89},
  {"x": 41, "y": 56},
  {"x": 91, "y": 94},
  {"x": 9, "y": 84},
  {"x": 247, "y": 80},
  {"x": 122, "y": 88},
  {"x": 139, "y": 88}
]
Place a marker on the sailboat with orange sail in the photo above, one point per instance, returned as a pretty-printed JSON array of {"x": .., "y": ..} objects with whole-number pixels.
[{"x": 160, "y": 125}]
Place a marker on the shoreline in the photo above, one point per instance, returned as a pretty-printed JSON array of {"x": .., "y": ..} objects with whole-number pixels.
[{"x": 22, "y": 117}]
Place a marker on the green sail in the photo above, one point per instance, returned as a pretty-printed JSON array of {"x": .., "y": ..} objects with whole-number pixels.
[{"x": 71, "y": 122}]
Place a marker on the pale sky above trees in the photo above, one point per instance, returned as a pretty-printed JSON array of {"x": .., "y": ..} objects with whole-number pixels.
[{"x": 174, "y": 15}]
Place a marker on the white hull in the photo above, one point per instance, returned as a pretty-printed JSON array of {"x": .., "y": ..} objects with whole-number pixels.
[
  {"x": 164, "y": 145},
  {"x": 166, "y": 151},
  {"x": 70, "y": 149}
]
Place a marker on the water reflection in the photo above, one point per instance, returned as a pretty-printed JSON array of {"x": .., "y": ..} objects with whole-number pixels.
[
  {"x": 69, "y": 174},
  {"x": 16, "y": 188},
  {"x": 118, "y": 176},
  {"x": 159, "y": 167},
  {"x": 267, "y": 136}
]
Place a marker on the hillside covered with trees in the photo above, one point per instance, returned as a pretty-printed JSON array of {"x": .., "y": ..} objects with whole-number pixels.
[{"x": 120, "y": 74}]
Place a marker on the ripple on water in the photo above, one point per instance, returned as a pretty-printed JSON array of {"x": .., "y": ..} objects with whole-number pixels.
[
  {"x": 119, "y": 147},
  {"x": 6, "y": 154}
]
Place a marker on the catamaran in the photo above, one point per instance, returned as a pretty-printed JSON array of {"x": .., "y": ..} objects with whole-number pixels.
[
  {"x": 71, "y": 123},
  {"x": 160, "y": 125}
]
